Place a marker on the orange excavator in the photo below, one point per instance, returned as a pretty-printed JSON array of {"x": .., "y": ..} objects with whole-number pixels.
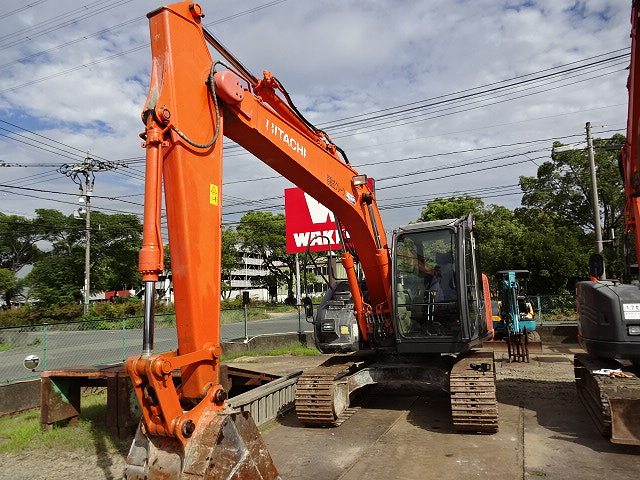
[{"x": 414, "y": 309}]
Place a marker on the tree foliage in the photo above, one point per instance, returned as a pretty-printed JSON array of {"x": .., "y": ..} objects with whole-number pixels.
[
  {"x": 454, "y": 207},
  {"x": 563, "y": 187},
  {"x": 58, "y": 272},
  {"x": 230, "y": 258},
  {"x": 263, "y": 233},
  {"x": 18, "y": 238},
  {"x": 8, "y": 285},
  {"x": 527, "y": 238}
]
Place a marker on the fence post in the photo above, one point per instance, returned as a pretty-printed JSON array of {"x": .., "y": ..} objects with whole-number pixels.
[
  {"x": 122, "y": 331},
  {"x": 44, "y": 346},
  {"x": 540, "y": 310},
  {"x": 246, "y": 327}
]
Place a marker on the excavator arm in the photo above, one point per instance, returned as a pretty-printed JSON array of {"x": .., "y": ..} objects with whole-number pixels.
[
  {"x": 630, "y": 156},
  {"x": 194, "y": 102}
]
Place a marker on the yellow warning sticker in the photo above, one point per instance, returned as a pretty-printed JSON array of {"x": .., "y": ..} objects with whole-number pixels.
[
  {"x": 213, "y": 194},
  {"x": 344, "y": 329}
]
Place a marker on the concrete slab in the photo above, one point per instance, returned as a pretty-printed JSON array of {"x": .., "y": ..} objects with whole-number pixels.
[
  {"x": 422, "y": 444},
  {"x": 326, "y": 453},
  {"x": 544, "y": 433}
]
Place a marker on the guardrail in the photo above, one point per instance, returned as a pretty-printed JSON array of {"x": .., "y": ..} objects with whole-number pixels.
[{"x": 268, "y": 401}]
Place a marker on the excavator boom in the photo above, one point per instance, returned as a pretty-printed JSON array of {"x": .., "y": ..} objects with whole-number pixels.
[{"x": 194, "y": 102}]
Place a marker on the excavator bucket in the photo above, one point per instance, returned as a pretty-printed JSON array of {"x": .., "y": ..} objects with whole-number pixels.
[
  {"x": 533, "y": 346},
  {"x": 625, "y": 420},
  {"x": 224, "y": 446}
]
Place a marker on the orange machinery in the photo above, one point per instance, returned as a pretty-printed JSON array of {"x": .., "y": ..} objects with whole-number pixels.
[{"x": 192, "y": 103}]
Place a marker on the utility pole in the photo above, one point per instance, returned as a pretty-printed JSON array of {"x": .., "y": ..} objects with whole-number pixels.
[
  {"x": 83, "y": 175},
  {"x": 594, "y": 193},
  {"x": 88, "y": 192}
]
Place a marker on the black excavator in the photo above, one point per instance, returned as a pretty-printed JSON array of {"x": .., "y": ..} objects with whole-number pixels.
[{"x": 608, "y": 375}]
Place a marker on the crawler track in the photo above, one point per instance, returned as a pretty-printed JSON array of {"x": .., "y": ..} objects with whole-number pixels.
[
  {"x": 322, "y": 400},
  {"x": 474, "y": 406},
  {"x": 612, "y": 402}
]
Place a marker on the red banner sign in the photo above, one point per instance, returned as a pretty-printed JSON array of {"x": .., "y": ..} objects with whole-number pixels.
[{"x": 309, "y": 224}]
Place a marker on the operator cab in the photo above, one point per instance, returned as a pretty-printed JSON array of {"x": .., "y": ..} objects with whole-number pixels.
[{"x": 436, "y": 287}]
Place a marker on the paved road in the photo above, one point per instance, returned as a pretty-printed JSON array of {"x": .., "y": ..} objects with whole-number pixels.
[{"x": 95, "y": 347}]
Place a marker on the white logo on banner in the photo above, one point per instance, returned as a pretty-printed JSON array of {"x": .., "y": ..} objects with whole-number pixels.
[{"x": 318, "y": 212}]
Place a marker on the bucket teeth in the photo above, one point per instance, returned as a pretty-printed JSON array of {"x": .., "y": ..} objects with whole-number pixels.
[{"x": 224, "y": 446}]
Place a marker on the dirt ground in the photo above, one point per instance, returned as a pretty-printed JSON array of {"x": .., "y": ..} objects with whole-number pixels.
[{"x": 544, "y": 433}]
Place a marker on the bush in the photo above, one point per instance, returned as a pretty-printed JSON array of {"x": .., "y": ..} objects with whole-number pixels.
[{"x": 103, "y": 311}]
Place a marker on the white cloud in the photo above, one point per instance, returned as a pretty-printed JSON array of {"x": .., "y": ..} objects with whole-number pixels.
[{"x": 337, "y": 59}]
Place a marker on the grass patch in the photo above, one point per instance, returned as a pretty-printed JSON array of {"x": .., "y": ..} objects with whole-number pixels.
[
  {"x": 21, "y": 433},
  {"x": 294, "y": 348},
  {"x": 5, "y": 346},
  {"x": 236, "y": 315}
]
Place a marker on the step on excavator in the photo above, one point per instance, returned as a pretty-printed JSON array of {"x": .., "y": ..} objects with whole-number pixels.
[
  {"x": 411, "y": 310},
  {"x": 608, "y": 375}
]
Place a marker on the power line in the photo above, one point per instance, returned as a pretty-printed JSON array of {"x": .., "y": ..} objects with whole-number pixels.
[
  {"x": 483, "y": 100},
  {"x": 460, "y": 173},
  {"x": 399, "y": 123},
  {"x": 404, "y": 159},
  {"x": 21, "y": 9},
  {"x": 328, "y": 124},
  {"x": 126, "y": 52},
  {"x": 65, "y": 202},
  {"x": 54, "y": 192},
  {"x": 43, "y": 28}
]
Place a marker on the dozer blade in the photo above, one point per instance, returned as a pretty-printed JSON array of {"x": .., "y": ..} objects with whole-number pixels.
[
  {"x": 535, "y": 346},
  {"x": 224, "y": 446},
  {"x": 625, "y": 420}
]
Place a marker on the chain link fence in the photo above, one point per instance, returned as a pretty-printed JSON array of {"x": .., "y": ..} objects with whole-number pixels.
[
  {"x": 104, "y": 342},
  {"x": 555, "y": 309}
]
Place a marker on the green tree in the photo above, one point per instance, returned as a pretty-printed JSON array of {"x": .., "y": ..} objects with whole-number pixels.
[
  {"x": 500, "y": 234},
  {"x": 263, "y": 233},
  {"x": 167, "y": 258},
  {"x": 230, "y": 257},
  {"x": 454, "y": 207},
  {"x": 552, "y": 250},
  {"x": 8, "y": 285},
  {"x": 18, "y": 238},
  {"x": 115, "y": 245},
  {"x": 57, "y": 279},
  {"x": 58, "y": 274},
  {"x": 563, "y": 186},
  {"x": 527, "y": 238},
  {"x": 18, "y": 248}
]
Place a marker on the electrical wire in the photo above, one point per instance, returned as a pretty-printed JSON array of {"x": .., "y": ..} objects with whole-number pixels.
[
  {"x": 21, "y": 9},
  {"x": 38, "y": 30}
]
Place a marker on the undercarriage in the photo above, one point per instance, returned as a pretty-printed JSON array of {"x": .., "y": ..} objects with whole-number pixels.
[
  {"x": 324, "y": 394},
  {"x": 610, "y": 392}
]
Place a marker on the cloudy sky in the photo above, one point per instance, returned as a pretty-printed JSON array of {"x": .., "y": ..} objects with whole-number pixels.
[{"x": 430, "y": 97}]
